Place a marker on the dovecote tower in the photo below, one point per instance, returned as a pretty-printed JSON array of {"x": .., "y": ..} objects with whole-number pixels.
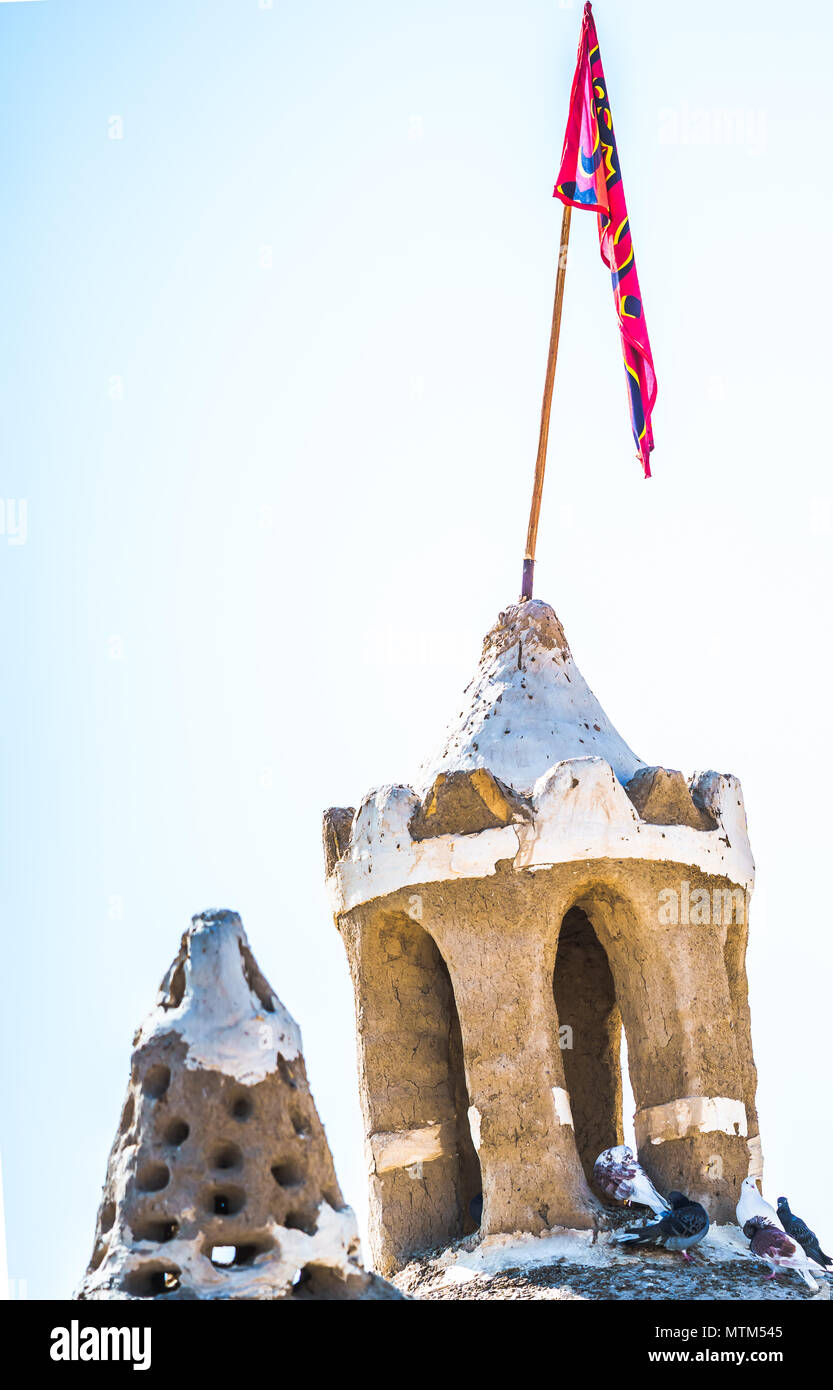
[
  {"x": 220, "y": 1183},
  {"x": 538, "y": 891}
]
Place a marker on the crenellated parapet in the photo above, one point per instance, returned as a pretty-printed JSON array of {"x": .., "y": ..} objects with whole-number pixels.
[{"x": 578, "y": 810}]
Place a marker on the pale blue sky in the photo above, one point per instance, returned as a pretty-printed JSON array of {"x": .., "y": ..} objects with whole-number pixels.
[{"x": 317, "y": 268}]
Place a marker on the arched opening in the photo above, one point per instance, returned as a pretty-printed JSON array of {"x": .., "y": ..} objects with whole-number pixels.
[
  {"x": 628, "y": 1102},
  {"x": 426, "y": 1168},
  {"x": 469, "y": 1178},
  {"x": 591, "y": 1037}
]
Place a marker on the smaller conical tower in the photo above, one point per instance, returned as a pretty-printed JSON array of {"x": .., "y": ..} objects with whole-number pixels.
[{"x": 220, "y": 1182}]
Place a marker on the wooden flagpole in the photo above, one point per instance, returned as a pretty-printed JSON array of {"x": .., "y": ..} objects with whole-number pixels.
[{"x": 541, "y": 460}]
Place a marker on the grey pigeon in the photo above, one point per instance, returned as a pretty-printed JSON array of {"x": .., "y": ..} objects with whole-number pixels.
[
  {"x": 683, "y": 1226},
  {"x": 800, "y": 1231}
]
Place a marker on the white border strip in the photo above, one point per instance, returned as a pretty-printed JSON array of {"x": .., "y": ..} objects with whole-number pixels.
[{"x": 689, "y": 1116}]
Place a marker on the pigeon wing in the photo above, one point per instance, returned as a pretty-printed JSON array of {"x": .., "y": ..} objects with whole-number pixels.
[
  {"x": 772, "y": 1242},
  {"x": 644, "y": 1192},
  {"x": 807, "y": 1239},
  {"x": 688, "y": 1221},
  {"x": 801, "y": 1231}
]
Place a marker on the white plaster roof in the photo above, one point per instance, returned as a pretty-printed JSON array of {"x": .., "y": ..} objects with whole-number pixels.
[
  {"x": 528, "y": 708},
  {"x": 531, "y": 719},
  {"x": 225, "y": 1024}
]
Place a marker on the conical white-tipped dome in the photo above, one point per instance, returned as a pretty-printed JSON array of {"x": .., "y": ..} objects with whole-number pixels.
[
  {"x": 215, "y": 998},
  {"x": 528, "y": 708}
]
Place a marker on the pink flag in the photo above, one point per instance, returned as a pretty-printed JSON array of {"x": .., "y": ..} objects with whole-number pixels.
[{"x": 590, "y": 177}]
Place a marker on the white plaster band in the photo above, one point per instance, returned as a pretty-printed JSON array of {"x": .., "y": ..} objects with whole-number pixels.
[
  {"x": 401, "y": 1148},
  {"x": 563, "y": 1112},
  {"x": 689, "y": 1116},
  {"x": 581, "y": 812},
  {"x": 756, "y": 1157}
]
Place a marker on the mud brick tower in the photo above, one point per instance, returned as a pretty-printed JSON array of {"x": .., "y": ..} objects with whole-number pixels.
[
  {"x": 220, "y": 1183},
  {"x": 536, "y": 892}
]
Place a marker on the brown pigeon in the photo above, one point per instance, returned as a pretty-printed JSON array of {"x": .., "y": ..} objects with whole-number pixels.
[{"x": 772, "y": 1244}]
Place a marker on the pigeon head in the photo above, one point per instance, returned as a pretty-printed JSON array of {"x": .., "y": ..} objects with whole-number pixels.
[
  {"x": 753, "y": 1225},
  {"x": 783, "y": 1204},
  {"x": 750, "y": 1185},
  {"x": 677, "y": 1199}
]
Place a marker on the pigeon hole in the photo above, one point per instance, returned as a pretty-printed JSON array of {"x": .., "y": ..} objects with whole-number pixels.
[
  {"x": 220, "y": 1183},
  {"x": 152, "y": 1279},
  {"x": 236, "y": 1204}
]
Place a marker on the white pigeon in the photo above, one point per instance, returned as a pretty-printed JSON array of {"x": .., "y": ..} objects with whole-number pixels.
[
  {"x": 618, "y": 1174},
  {"x": 751, "y": 1203}
]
